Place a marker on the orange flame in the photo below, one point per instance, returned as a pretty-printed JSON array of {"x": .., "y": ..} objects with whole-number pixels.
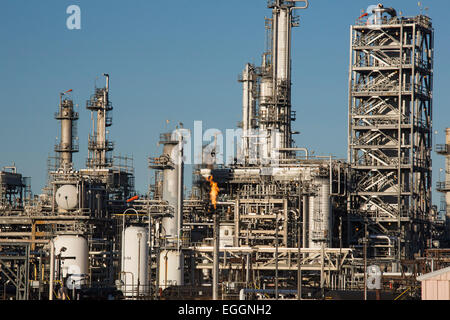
[
  {"x": 364, "y": 15},
  {"x": 214, "y": 191},
  {"x": 132, "y": 199}
]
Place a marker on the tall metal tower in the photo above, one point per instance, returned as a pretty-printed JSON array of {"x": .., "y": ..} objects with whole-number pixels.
[
  {"x": 390, "y": 131},
  {"x": 67, "y": 145},
  {"x": 99, "y": 147},
  {"x": 269, "y": 86}
]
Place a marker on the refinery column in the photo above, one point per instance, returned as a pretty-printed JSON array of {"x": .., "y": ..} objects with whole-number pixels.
[
  {"x": 248, "y": 80},
  {"x": 171, "y": 259},
  {"x": 68, "y": 117},
  {"x": 275, "y": 114},
  {"x": 99, "y": 146}
]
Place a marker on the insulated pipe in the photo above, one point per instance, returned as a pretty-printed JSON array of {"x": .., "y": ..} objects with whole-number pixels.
[
  {"x": 383, "y": 237},
  {"x": 296, "y": 149},
  {"x": 297, "y": 7}
]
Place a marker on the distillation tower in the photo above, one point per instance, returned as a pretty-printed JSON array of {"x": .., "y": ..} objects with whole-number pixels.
[
  {"x": 68, "y": 237},
  {"x": 277, "y": 209},
  {"x": 170, "y": 233},
  {"x": 67, "y": 146},
  {"x": 278, "y": 221},
  {"x": 99, "y": 147},
  {"x": 390, "y": 140},
  {"x": 272, "y": 81}
]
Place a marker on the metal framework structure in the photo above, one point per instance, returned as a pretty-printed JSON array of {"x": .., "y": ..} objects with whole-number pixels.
[
  {"x": 12, "y": 188},
  {"x": 390, "y": 126},
  {"x": 99, "y": 147},
  {"x": 444, "y": 186},
  {"x": 14, "y": 266},
  {"x": 256, "y": 227}
]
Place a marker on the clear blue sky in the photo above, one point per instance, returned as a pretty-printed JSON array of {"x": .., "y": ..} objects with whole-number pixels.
[{"x": 178, "y": 60}]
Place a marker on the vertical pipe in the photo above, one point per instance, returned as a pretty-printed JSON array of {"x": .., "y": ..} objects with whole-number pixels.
[
  {"x": 139, "y": 235},
  {"x": 365, "y": 261},
  {"x": 158, "y": 267},
  {"x": 299, "y": 264},
  {"x": 216, "y": 258},
  {"x": 180, "y": 191},
  {"x": 52, "y": 269},
  {"x": 247, "y": 274},
  {"x": 245, "y": 111},
  {"x": 150, "y": 252},
  {"x": 350, "y": 99},
  {"x": 447, "y": 174},
  {"x": 41, "y": 274},
  {"x": 322, "y": 266},
  {"x": 305, "y": 220},
  {"x": 276, "y": 256}
]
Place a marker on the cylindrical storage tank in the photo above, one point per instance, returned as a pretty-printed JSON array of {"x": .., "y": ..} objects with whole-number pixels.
[
  {"x": 171, "y": 268},
  {"x": 226, "y": 235},
  {"x": 71, "y": 260},
  {"x": 320, "y": 215},
  {"x": 135, "y": 262}
]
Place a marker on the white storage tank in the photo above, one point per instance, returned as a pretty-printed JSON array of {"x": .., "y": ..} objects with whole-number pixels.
[
  {"x": 135, "y": 261},
  {"x": 320, "y": 214},
  {"x": 67, "y": 197},
  {"x": 71, "y": 258},
  {"x": 171, "y": 271}
]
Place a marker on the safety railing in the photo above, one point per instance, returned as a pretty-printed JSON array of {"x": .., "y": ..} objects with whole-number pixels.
[
  {"x": 421, "y": 19},
  {"x": 443, "y": 186},
  {"x": 442, "y": 148},
  {"x": 64, "y": 147},
  {"x": 69, "y": 116}
]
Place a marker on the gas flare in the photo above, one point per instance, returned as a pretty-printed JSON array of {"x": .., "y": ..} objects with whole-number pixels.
[
  {"x": 132, "y": 199},
  {"x": 214, "y": 191}
]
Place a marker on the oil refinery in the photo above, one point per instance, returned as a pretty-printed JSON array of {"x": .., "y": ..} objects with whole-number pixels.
[{"x": 277, "y": 222}]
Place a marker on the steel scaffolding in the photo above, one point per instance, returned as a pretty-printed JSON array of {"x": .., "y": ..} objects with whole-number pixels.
[{"x": 390, "y": 131}]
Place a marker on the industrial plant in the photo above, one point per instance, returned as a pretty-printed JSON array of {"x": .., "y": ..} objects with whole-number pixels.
[{"x": 277, "y": 221}]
